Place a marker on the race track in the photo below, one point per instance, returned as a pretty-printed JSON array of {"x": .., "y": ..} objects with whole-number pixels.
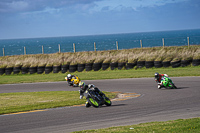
[{"x": 151, "y": 105}]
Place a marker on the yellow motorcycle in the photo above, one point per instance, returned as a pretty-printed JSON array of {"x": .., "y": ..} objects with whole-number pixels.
[{"x": 74, "y": 81}]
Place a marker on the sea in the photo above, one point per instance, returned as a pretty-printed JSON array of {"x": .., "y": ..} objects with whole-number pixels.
[{"x": 98, "y": 42}]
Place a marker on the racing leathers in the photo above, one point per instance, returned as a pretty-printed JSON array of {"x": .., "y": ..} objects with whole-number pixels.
[
  {"x": 91, "y": 87},
  {"x": 70, "y": 82},
  {"x": 158, "y": 78}
]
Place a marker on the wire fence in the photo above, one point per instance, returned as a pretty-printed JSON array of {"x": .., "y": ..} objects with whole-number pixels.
[{"x": 99, "y": 45}]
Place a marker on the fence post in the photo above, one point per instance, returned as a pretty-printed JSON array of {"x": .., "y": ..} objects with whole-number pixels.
[
  {"x": 59, "y": 47},
  {"x": 117, "y": 45},
  {"x": 42, "y": 49},
  {"x": 163, "y": 41},
  {"x": 141, "y": 43},
  {"x": 74, "y": 47},
  {"x": 24, "y": 50},
  {"x": 3, "y": 52},
  {"x": 94, "y": 46},
  {"x": 188, "y": 39}
]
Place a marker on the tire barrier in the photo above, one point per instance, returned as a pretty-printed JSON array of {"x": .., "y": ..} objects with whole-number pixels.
[
  {"x": 2, "y": 71},
  {"x": 72, "y": 68},
  {"x": 196, "y": 62},
  {"x": 64, "y": 68},
  {"x": 105, "y": 66},
  {"x": 130, "y": 65},
  {"x": 25, "y": 70},
  {"x": 121, "y": 65},
  {"x": 97, "y": 66},
  {"x": 48, "y": 69},
  {"x": 149, "y": 64},
  {"x": 185, "y": 62},
  {"x": 158, "y": 64},
  {"x": 166, "y": 63},
  {"x": 16, "y": 70},
  {"x": 140, "y": 64},
  {"x": 40, "y": 69},
  {"x": 32, "y": 70},
  {"x": 88, "y": 66},
  {"x": 80, "y": 67},
  {"x": 8, "y": 70},
  {"x": 56, "y": 69},
  {"x": 175, "y": 64},
  {"x": 113, "y": 65}
]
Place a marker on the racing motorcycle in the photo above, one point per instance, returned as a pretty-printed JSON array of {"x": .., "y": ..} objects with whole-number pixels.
[
  {"x": 75, "y": 80},
  {"x": 96, "y": 99},
  {"x": 167, "y": 83}
]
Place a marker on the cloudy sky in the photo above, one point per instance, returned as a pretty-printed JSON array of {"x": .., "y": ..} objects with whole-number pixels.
[{"x": 52, "y": 18}]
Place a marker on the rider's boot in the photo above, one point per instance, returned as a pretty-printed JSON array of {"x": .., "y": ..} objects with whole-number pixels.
[{"x": 87, "y": 104}]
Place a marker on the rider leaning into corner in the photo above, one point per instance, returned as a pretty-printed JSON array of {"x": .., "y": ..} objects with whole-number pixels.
[
  {"x": 69, "y": 80},
  {"x": 84, "y": 87},
  {"x": 158, "y": 78}
]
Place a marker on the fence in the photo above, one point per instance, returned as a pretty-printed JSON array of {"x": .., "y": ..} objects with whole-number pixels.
[{"x": 136, "y": 44}]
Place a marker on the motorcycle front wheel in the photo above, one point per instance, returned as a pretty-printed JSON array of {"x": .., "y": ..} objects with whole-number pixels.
[
  {"x": 173, "y": 86},
  {"x": 93, "y": 102},
  {"x": 107, "y": 102}
]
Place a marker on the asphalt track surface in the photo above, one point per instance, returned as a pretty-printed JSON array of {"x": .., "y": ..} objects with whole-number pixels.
[{"x": 152, "y": 105}]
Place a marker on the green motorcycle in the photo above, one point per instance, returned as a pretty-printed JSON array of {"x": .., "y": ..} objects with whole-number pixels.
[
  {"x": 96, "y": 99},
  {"x": 167, "y": 83}
]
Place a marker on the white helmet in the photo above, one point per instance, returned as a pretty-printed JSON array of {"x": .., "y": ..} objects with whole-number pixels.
[{"x": 69, "y": 76}]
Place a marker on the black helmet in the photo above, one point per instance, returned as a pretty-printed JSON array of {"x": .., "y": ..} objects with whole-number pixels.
[{"x": 156, "y": 75}]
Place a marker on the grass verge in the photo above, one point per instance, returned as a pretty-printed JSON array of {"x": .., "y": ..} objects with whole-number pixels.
[
  {"x": 108, "y": 74},
  {"x": 174, "y": 126},
  {"x": 27, "y": 101}
]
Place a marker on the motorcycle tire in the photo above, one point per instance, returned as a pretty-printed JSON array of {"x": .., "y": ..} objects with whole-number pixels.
[
  {"x": 130, "y": 65},
  {"x": 105, "y": 66},
  {"x": 107, "y": 102},
  {"x": 140, "y": 64},
  {"x": 8, "y": 70},
  {"x": 64, "y": 68},
  {"x": 93, "y": 102},
  {"x": 121, "y": 65},
  {"x": 158, "y": 64},
  {"x": 2, "y": 71},
  {"x": 88, "y": 66},
  {"x": 113, "y": 65},
  {"x": 25, "y": 70},
  {"x": 173, "y": 86},
  {"x": 56, "y": 69}
]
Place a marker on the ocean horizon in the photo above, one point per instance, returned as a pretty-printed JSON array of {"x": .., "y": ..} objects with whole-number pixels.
[{"x": 103, "y": 42}]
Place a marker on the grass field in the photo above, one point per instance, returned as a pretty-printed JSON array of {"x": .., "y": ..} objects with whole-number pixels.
[
  {"x": 175, "y": 126},
  {"x": 27, "y": 101},
  {"x": 94, "y": 75}
]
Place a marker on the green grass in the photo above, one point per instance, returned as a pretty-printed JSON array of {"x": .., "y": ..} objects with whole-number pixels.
[
  {"x": 27, "y": 101},
  {"x": 94, "y": 75},
  {"x": 174, "y": 126}
]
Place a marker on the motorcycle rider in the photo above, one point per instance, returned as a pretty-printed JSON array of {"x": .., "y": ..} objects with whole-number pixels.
[
  {"x": 69, "y": 80},
  {"x": 158, "y": 78},
  {"x": 84, "y": 87}
]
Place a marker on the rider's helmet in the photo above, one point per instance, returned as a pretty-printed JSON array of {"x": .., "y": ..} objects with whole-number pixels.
[
  {"x": 69, "y": 76},
  {"x": 90, "y": 86},
  {"x": 156, "y": 75},
  {"x": 82, "y": 85}
]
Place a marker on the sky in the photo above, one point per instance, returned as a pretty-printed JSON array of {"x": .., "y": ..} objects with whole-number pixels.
[{"x": 55, "y": 18}]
